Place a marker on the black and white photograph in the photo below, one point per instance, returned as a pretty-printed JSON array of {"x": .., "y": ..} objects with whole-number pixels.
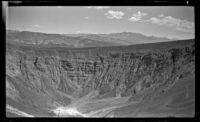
[{"x": 100, "y": 61}]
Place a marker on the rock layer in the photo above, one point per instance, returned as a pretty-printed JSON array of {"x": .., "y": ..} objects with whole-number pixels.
[{"x": 59, "y": 75}]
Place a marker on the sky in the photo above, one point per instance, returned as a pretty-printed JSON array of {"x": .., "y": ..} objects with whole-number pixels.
[{"x": 160, "y": 21}]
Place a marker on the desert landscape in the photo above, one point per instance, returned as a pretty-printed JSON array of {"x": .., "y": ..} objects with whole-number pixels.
[{"x": 122, "y": 74}]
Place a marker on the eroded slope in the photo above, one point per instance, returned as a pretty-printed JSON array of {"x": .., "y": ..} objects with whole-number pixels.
[{"x": 41, "y": 79}]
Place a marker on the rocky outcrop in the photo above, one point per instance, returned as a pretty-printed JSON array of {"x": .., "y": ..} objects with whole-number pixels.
[{"x": 63, "y": 73}]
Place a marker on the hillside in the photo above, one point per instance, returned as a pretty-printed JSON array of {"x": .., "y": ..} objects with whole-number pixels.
[
  {"x": 100, "y": 81},
  {"x": 80, "y": 40},
  {"x": 126, "y": 38}
]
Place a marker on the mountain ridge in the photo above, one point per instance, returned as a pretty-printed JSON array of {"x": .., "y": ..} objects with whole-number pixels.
[{"x": 81, "y": 40}]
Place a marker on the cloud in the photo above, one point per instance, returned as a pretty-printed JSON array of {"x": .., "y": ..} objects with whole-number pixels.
[
  {"x": 154, "y": 20},
  {"x": 98, "y": 7},
  {"x": 178, "y": 24},
  {"x": 36, "y": 26},
  {"x": 169, "y": 21},
  {"x": 184, "y": 29},
  {"x": 114, "y": 14},
  {"x": 137, "y": 17}
]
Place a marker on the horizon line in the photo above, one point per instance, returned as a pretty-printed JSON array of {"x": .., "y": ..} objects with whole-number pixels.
[{"x": 171, "y": 38}]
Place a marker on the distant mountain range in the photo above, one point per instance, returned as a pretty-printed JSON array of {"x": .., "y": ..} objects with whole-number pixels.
[{"x": 81, "y": 40}]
